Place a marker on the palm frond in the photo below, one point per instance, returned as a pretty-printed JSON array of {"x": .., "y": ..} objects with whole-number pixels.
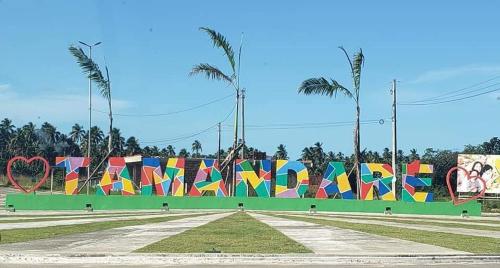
[
  {"x": 339, "y": 88},
  {"x": 85, "y": 63},
  {"x": 92, "y": 70},
  {"x": 321, "y": 86},
  {"x": 220, "y": 41},
  {"x": 358, "y": 61},
  {"x": 348, "y": 58},
  {"x": 211, "y": 72},
  {"x": 106, "y": 85}
]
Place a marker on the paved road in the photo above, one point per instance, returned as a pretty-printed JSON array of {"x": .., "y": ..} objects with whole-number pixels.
[
  {"x": 249, "y": 266},
  {"x": 331, "y": 240},
  {"x": 243, "y": 260}
]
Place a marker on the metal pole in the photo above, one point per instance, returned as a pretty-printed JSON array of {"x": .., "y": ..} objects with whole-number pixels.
[
  {"x": 90, "y": 116},
  {"x": 90, "y": 105},
  {"x": 218, "y": 147},
  {"x": 394, "y": 135},
  {"x": 243, "y": 123}
]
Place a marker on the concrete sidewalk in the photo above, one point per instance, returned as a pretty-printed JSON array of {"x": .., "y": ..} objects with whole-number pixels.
[
  {"x": 38, "y": 224},
  {"x": 422, "y": 227},
  {"x": 459, "y": 220},
  {"x": 331, "y": 240},
  {"x": 117, "y": 240}
]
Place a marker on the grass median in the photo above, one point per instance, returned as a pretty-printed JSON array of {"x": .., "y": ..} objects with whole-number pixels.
[
  {"x": 28, "y": 234},
  {"x": 467, "y": 243},
  {"x": 417, "y": 222},
  {"x": 237, "y": 233}
]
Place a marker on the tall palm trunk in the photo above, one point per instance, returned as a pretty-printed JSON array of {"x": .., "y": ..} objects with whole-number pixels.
[
  {"x": 357, "y": 150},
  {"x": 110, "y": 137}
]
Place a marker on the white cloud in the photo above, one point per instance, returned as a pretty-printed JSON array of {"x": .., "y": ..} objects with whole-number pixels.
[
  {"x": 448, "y": 73},
  {"x": 4, "y": 87},
  {"x": 52, "y": 107}
]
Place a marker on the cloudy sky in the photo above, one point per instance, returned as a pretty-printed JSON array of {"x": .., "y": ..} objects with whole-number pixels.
[{"x": 434, "y": 50}]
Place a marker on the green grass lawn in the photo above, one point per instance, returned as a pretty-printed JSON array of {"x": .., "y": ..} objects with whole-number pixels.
[
  {"x": 422, "y": 222},
  {"x": 237, "y": 233},
  {"x": 467, "y": 243},
  {"x": 27, "y": 234}
]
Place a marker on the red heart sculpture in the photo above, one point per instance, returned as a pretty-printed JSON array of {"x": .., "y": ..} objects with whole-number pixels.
[
  {"x": 21, "y": 158},
  {"x": 469, "y": 177}
]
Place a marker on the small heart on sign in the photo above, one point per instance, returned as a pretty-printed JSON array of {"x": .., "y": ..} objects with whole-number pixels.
[
  {"x": 456, "y": 201},
  {"x": 28, "y": 161}
]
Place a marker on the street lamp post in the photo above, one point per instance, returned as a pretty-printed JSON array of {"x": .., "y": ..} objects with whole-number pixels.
[{"x": 90, "y": 108}]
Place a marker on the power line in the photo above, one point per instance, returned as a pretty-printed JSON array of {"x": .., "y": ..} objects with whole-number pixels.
[
  {"x": 452, "y": 96},
  {"x": 455, "y": 93},
  {"x": 185, "y": 137},
  {"x": 170, "y": 113},
  {"x": 312, "y": 125},
  {"x": 452, "y": 100}
]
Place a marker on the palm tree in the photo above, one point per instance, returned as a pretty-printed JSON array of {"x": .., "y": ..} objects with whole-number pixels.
[
  {"x": 90, "y": 68},
  {"x": 281, "y": 153},
  {"x": 183, "y": 153},
  {"x": 170, "y": 151},
  {"x": 77, "y": 133},
  {"x": 214, "y": 73},
  {"x": 7, "y": 131},
  {"x": 132, "y": 146},
  {"x": 196, "y": 148},
  {"x": 97, "y": 136},
  {"x": 25, "y": 141},
  {"x": 331, "y": 87},
  {"x": 6, "y": 126},
  {"x": 118, "y": 141},
  {"x": 49, "y": 132},
  {"x": 413, "y": 155}
]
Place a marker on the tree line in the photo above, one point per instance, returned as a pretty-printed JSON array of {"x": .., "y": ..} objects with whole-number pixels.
[{"x": 48, "y": 142}]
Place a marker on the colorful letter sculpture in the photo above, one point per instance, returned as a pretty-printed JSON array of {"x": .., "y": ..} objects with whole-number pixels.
[
  {"x": 282, "y": 168},
  {"x": 328, "y": 185},
  {"x": 173, "y": 176},
  {"x": 72, "y": 166},
  {"x": 411, "y": 180},
  {"x": 116, "y": 178},
  {"x": 151, "y": 174},
  {"x": 208, "y": 179},
  {"x": 174, "y": 172},
  {"x": 245, "y": 174},
  {"x": 383, "y": 184}
]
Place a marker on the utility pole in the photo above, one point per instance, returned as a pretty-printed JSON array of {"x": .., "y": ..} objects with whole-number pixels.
[
  {"x": 233, "y": 181},
  {"x": 218, "y": 147},
  {"x": 243, "y": 91},
  {"x": 238, "y": 92},
  {"x": 90, "y": 106},
  {"x": 394, "y": 135}
]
